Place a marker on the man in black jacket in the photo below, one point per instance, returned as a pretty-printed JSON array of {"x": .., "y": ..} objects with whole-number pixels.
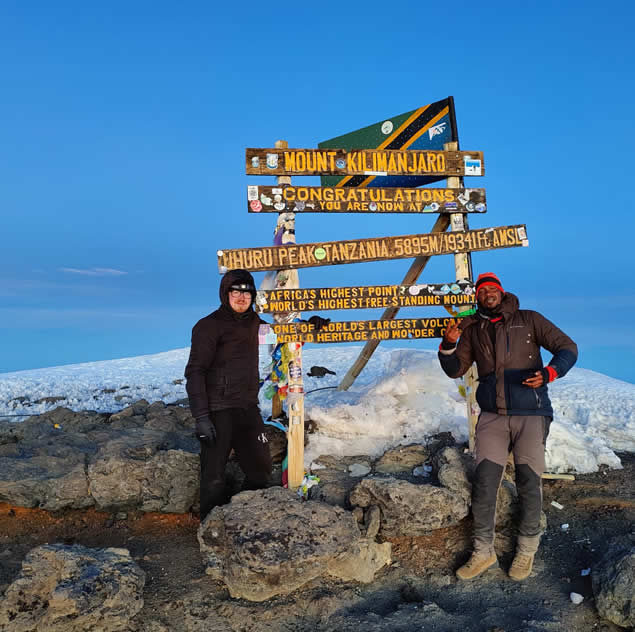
[
  {"x": 222, "y": 386},
  {"x": 505, "y": 343}
]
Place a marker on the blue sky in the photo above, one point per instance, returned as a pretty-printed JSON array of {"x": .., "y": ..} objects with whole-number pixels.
[{"x": 124, "y": 127}]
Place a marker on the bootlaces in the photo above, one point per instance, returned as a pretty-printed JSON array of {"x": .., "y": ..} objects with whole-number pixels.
[
  {"x": 522, "y": 559},
  {"x": 477, "y": 558}
]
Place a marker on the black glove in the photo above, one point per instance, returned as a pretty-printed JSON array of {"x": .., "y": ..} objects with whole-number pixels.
[
  {"x": 318, "y": 322},
  {"x": 319, "y": 371},
  {"x": 205, "y": 431}
]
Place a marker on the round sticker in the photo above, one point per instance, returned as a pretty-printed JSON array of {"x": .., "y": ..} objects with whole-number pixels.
[
  {"x": 319, "y": 253},
  {"x": 300, "y": 206},
  {"x": 414, "y": 290},
  {"x": 434, "y": 206},
  {"x": 386, "y": 127},
  {"x": 279, "y": 206},
  {"x": 372, "y": 206},
  {"x": 256, "y": 206},
  {"x": 340, "y": 163}
]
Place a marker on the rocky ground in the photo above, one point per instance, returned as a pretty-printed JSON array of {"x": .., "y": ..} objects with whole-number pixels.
[{"x": 417, "y": 592}]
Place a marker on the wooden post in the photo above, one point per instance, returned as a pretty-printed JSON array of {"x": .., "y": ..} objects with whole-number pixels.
[
  {"x": 295, "y": 397},
  {"x": 440, "y": 226},
  {"x": 463, "y": 267}
]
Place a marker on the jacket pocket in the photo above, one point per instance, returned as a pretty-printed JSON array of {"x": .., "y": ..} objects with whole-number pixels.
[
  {"x": 520, "y": 397},
  {"x": 486, "y": 393}
]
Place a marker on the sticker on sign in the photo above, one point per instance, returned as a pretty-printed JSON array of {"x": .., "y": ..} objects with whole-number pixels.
[{"x": 472, "y": 166}]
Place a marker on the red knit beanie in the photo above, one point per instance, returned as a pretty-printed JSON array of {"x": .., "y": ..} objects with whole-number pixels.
[{"x": 488, "y": 278}]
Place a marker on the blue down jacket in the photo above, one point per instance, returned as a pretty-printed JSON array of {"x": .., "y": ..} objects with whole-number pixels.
[{"x": 519, "y": 335}]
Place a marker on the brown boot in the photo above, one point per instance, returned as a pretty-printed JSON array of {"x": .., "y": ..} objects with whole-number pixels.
[
  {"x": 521, "y": 566},
  {"x": 477, "y": 564}
]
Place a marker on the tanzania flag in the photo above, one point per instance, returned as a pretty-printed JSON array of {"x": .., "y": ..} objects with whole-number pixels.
[{"x": 427, "y": 127}]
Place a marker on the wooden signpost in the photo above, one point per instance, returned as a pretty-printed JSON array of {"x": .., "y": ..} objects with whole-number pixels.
[
  {"x": 356, "y": 330},
  {"x": 288, "y": 279},
  {"x": 368, "y": 162},
  {"x": 372, "y": 170},
  {"x": 463, "y": 269},
  {"x": 299, "y": 199},
  {"x": 364, "y": 297},
  {"x": 377, "y": 249}
]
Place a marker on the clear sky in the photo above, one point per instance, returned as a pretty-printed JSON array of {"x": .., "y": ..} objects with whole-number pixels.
[{"x": 124, "y": 125}]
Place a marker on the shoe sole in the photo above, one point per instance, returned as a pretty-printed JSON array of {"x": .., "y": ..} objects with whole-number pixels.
[{"x": 519, "y": 579}]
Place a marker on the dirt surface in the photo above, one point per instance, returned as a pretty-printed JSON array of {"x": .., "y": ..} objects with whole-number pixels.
[{"x": 418, "y": 592}]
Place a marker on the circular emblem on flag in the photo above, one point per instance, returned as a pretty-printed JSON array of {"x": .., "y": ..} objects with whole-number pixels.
[
  {"x": 319, "y": 253},
  {"x": 256, "y": 206},
  {"x": 386, "y": 127}
]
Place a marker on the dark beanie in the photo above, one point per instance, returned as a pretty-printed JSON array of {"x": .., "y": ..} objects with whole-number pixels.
[{"x": 488, "y": 278}]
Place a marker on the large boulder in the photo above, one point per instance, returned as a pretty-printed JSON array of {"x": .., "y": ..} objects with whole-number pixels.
[
  {"x": 73, "y": 589},
  {"x": 270, "y": 542},
  {"x": 138, "y": 470},
  {"x": 407, "y": 508},
  {"x": 614, "y": 584},
  {"x": 43, "y": 460},
  {"x": 143, "y": 457}
]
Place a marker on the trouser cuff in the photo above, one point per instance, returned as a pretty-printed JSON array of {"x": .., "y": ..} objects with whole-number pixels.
[
  {"x": 483, "y": 546},
  {"x": 527, "y": 544}
]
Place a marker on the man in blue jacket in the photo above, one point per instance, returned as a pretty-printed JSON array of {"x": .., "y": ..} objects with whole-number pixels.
[{"x": 505, "y": 343}]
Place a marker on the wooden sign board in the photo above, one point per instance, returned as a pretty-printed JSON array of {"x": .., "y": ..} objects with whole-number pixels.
[
  {"x": 276, "y": 199},
  {"x": 375, "y": 249},
  {"x": 364, "y": 297},
  {"x": 426, "y": 128},
  {"x": 368, "y": 162},
  {"x": 354, "y": 331}
]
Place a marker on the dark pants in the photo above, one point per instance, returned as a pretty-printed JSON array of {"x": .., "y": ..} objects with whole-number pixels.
[
  {"x": 243, "y": 430},
  {"x": 496, "y": 437}
]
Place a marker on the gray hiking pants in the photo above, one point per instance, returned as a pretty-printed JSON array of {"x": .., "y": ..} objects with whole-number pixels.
[{"x": 496, "y": 437}]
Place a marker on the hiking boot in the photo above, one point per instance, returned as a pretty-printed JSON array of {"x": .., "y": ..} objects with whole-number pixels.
[
  {"x": 521, "y": 566},
  {"x": 478, "y": 563}
]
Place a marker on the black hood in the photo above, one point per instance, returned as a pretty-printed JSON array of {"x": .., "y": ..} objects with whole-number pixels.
[{"x": 235, "y": 277}]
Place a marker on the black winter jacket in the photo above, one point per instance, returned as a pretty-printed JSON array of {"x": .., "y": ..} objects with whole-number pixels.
[
  {"x": 222, "y": 370},
  {"x": 515, "y": 357}
]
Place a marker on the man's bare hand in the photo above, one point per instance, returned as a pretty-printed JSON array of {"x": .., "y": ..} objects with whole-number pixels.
[
  {"x": 452, "y": 333},
  {"x": 535, "y": 381}
]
